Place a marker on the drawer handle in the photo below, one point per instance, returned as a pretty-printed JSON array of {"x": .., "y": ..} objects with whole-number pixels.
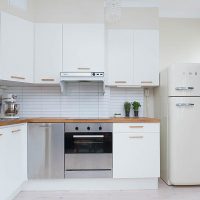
[
  {"x": 83, "y": 68},
  {"x": 136, "y": 126},
  {"x": 143, "y": 82},
  {"x": 45, "y": 126},
  {"x": 120, "y": 82},
  {"x": 136, "y": 137},
  {"x": 184, "y": 88},
  {"x": 47, "y": 79},
  {"x": 88, "y": 136},
  {"x": 16, "y": 131},
  {"x": 17, "y": 77}
]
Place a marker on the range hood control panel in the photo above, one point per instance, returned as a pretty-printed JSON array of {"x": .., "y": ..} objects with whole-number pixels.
[
  {"x": 98, "y": 74},
  {"x": 82, "y": 74}
]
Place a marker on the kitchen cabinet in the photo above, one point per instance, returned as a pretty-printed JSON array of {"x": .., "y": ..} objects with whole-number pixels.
[
  {"x": 83, "y": 47},
  {"x": 133, "y": 57},
  {"x": 2, "y": 166},
  {"x": 120, "y": 57},
  {"x": 48, "y": 53},
  {"x": 13, "y": 164},
  {"x": 136, "y": 150},
  {"x": 146, "y": 57},
  {"x": 17, "y": 36}
]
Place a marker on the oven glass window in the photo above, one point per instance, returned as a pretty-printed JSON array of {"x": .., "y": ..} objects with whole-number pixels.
[{"x": 88, "y": 143}]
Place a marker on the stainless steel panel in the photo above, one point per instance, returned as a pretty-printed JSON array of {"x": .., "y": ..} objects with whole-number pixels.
[
  {"x": 45, "y": 150},
  {"x": 95, "y": 161},
  {"x": 94, "y": 127},
  {"x": 89, "y": 174}
]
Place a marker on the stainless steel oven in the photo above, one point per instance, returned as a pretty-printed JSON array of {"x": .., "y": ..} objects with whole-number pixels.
[{"x": 88, "y": 150}]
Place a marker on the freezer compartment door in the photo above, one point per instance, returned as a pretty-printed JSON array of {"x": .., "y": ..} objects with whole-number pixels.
[
  {"x": 184, "y": 140},
  {"x": 183, "y": 80}
]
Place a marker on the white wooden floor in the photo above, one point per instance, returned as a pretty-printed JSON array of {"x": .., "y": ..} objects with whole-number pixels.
[{"x": 163, "y": 193}]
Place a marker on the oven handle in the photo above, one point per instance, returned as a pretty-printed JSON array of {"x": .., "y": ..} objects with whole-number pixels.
[{"x": 88, "y": 136}]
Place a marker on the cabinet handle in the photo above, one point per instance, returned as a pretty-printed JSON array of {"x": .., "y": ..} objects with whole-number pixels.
[
  {"x": 1, "y": 134},
  {"x": 136, "y": 137},
  {"x": 83, "y": 68},
  {"x": 120, "y": 82},
  {"x": 47, "y": 79},
  {"x": 136, "y": 126},
  {"x": 17, "y": 77},
  {"x": 146, "y": 82},
  {"x": 16, "y": 131}
]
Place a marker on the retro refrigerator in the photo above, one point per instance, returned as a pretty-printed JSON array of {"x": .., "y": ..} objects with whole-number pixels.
[{"x": 180, "y": 124}]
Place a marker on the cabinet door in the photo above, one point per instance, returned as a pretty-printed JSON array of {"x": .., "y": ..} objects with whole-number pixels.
[
  {"x": 146, "y": 57},
  {"x": 16, "y": 48},
  {"x": 83, "y": 47},
  {"x": 136, "y": 155},
  {"x": 15, "y": 162},
  {"x": 120, "y": 57},
  {"x": 48, "y": 53},
  {"x": 2, "y": 164}
]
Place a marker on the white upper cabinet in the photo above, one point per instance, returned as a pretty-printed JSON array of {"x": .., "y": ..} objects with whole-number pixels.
[
  {"x": 17, "y": 38},
  {"x": 120, "y": 57},
  {"x": 133, "y": 57},
  {"x": 146, "y": 57},
  {"x": 83, "y": 47},
  {"x": 48, "y": 53}
]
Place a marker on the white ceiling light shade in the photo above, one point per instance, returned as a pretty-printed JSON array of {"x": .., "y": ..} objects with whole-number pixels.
[{"x": 112, "y": 10}]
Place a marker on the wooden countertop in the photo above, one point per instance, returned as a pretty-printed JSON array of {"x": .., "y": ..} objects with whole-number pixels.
[{"x": 70, "y": 120}]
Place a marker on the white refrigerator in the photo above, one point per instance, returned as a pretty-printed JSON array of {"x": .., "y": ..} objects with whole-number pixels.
[{"x": 180, "y": 124}]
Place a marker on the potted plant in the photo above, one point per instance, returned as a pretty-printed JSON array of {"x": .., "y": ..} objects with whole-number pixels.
[
  {"x": 127, "y": 108},
  {"x": 136, "y": 106}
]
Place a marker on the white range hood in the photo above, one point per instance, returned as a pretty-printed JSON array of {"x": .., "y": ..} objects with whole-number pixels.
[{"x": 70, "y": 77}]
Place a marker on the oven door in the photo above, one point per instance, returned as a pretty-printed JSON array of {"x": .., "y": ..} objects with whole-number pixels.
[
  {"x": 88, "y": 155},
  {"x": 88, "y": 143}
]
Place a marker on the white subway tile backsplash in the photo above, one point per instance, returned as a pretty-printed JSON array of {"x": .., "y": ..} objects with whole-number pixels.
[{"x": 81, "y": 100}]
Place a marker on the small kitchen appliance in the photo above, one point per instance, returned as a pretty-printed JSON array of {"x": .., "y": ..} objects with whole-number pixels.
[{"x": 9, "y": 107}]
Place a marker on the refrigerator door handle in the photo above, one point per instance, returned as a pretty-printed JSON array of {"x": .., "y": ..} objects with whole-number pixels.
[
  {"x": 184, "y": 88},
  {"x": 184, "y": 104}
]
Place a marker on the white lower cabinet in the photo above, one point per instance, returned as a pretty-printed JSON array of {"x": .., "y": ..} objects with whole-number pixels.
[
  {"x": 136, "y": 151},
  {"x": 13, "y": 163}
]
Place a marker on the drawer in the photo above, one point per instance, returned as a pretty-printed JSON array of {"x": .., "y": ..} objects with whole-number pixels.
[
  {"x": 135, "y": 127},
  {"x": 13, "y": 129}
]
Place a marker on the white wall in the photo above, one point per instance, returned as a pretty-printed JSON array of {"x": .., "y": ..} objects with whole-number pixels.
[
  {"x": 137, "y": 18},
  {"x": 69, "y": 11},
  {"x": 179, "y": 41},
  {"x": 180, "y": 8}
]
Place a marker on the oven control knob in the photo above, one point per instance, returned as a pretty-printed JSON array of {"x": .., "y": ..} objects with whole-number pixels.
[
  {"x": 100, "y": 128},
  {"x": 76, "y": 128},
  {"x": 88, "y": 128}
]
